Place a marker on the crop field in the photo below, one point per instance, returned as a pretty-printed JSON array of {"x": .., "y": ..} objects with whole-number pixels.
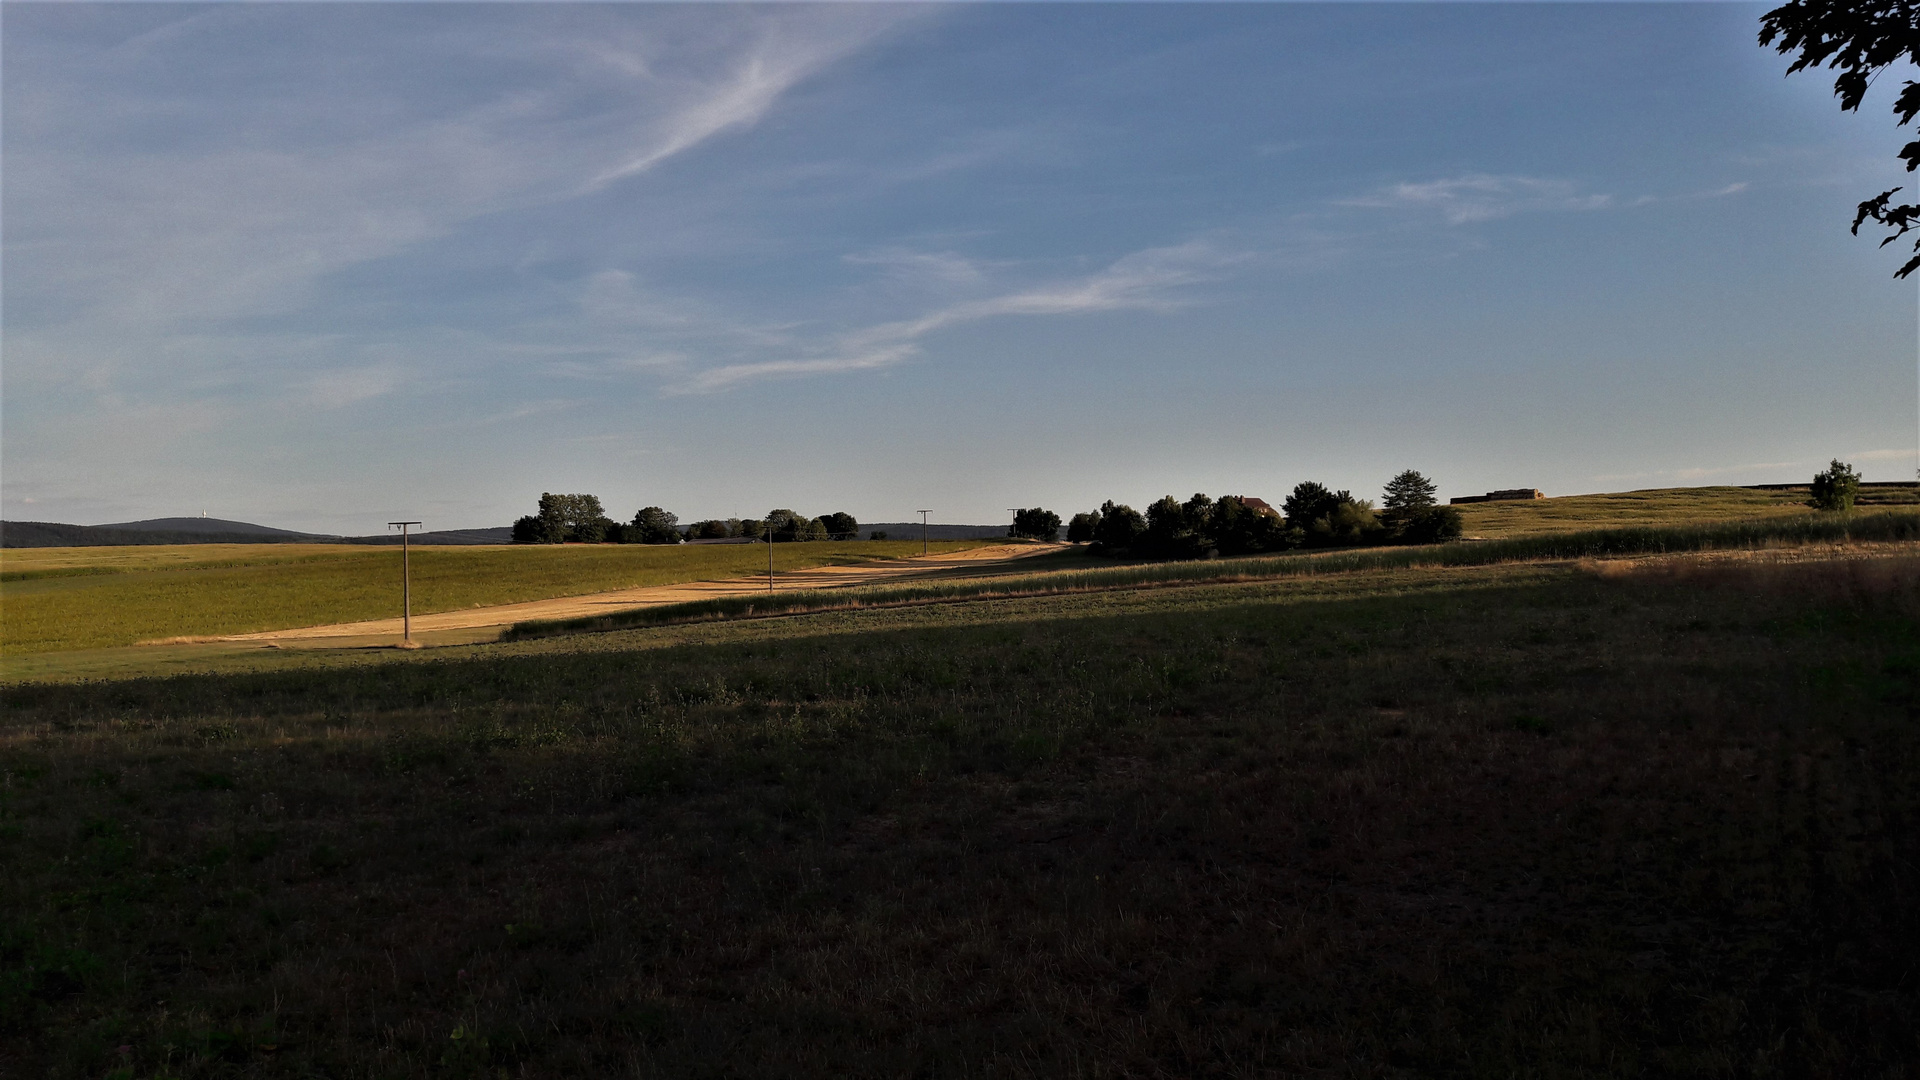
[
  {"x": 1659, "y": 506},
  {"x": 55, "y": 599},
  {"x": 1633, "y": 799},
  {"x": 1656, "y": 815}
]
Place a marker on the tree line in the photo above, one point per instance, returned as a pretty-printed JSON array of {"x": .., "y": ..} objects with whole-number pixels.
[
  {"x": 1312, "y": 516},
  {"x": 581, "y": 519}
]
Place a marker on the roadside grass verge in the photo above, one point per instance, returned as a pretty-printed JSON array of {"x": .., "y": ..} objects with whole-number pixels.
[
  {"x": 1508, "y": 820},
  {"x": 1634, "y": 540},
  {"x": 224, "y": 592}
]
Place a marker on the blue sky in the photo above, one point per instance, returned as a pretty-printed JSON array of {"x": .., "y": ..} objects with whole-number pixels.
[{"x": 321, "y": 266}]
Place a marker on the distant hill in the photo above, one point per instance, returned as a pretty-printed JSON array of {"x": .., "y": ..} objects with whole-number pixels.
[
  {"x": 201, "y": 526},
  {"x": 910, "y": 530},
  {"x": 455, "y": 537},
  {"x": 196, "y": 530}
]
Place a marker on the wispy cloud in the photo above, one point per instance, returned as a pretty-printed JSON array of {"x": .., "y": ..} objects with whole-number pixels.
[
  {"x": 141, "y": 202},
  {"x": 1697, "y": 472},
  {"x": 336, "y": 389},
  {"x": 1146, "y": 280},
  {"x": 1477, "y": 197}
]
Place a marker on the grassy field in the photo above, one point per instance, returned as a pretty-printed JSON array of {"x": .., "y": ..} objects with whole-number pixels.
[
  {"x": 1638, "y": 800},
  {"x": 56, "y": 599},
  {"x": 1656, "y": 817},
  {"x": 1660, "y": 506}
]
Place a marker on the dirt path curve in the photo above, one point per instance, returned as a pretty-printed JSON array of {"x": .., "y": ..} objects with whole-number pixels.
[{"x": 968, "y": 563}]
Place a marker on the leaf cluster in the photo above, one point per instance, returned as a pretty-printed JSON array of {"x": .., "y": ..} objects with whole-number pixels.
[{"x": 1858, "y": 39}]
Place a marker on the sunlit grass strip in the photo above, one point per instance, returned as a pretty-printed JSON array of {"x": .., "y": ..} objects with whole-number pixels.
[{"x": 1637, "y": 540}]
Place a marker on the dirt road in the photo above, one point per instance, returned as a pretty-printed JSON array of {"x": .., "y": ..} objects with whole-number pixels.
[{"x": 973, "y": 561}]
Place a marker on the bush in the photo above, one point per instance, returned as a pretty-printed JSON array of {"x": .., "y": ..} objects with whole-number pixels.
[
  {"x": 1431, "y": 525},
  {"x": 533, "y": 529},
  {"x": 1035, "y": 524},
  {"x": 877, "y": 534},
  {"x": 1836, "y": 488}
]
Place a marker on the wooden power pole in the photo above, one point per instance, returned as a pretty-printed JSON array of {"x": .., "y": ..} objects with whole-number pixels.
[{"x": 406, "y": 584}]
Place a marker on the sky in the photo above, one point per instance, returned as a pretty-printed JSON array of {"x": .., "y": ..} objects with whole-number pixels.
[{"x": 322, "y": 266}]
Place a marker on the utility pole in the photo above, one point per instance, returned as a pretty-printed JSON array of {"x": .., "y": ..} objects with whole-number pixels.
[
  {"x": 406, "y": 584},
  {"x": 767, "y": 531},
  {"x": 923, "y": 529},
  {"x": 1015, "y": 511}
]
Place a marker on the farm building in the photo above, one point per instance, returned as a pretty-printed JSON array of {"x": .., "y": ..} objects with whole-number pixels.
[
  {"x": 1502, "y": 496},
  {"x": 1258, "y": 505}
]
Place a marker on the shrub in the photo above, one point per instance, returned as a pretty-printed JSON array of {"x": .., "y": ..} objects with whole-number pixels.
[
  {"x": 1351, "y": 521},
  {"x": 1431, "y": 525},
  {"x": 1836, "y": 488}
]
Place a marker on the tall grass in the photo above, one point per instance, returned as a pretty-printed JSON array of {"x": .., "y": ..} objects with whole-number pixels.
[{"x": 1634, "y": 540}]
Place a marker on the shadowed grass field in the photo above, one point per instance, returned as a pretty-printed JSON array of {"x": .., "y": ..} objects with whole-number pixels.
[
  {"x": 1656, "y": 507},
  {"x": 1650, "y": 818},
  {"x": 87, "y": 598}
]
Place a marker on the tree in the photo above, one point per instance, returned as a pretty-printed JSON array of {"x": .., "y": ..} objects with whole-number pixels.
[
  {"x": 572, "y": 518},
  {"x": 1310, "y": 501},
  {"x": 710, "y": 529},
  {"x": 534, "y": 529},
  {"x": 1177, "y": 530},
  {"x": 841, "y": 526},
  {"x": 1350, "y": 521},
  {"x": 1035, "y": 524},
  {"x": 1120, "y": 525},
  {"x": 1859, "y": 39},
  {"x": 787, "y": 527},
  {"x": 1082, "y": 528},
  {"x": 653, "y": 525},
  {"x": 753, "y": 528},
  {"x": 1836, "y": 488},
  {"x": 1239, "y": 529},
  {"x": 1407, "y": 492}
]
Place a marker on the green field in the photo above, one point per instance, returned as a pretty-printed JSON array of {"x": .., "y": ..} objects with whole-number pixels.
[
  {"x": 1661, "y": 506},
  {"x": 57, "y": 599},
  {"x": 1636, "y": 800},
  {"x": 1522, "y": 818}
]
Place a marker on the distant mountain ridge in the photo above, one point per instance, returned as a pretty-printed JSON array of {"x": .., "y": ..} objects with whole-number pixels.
[
  {"x": 205, "y": 530},
  {"x": 910, "y": 530},
  {"x": 200, "y": 530},
  {"x": 197, "y": 525}
]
